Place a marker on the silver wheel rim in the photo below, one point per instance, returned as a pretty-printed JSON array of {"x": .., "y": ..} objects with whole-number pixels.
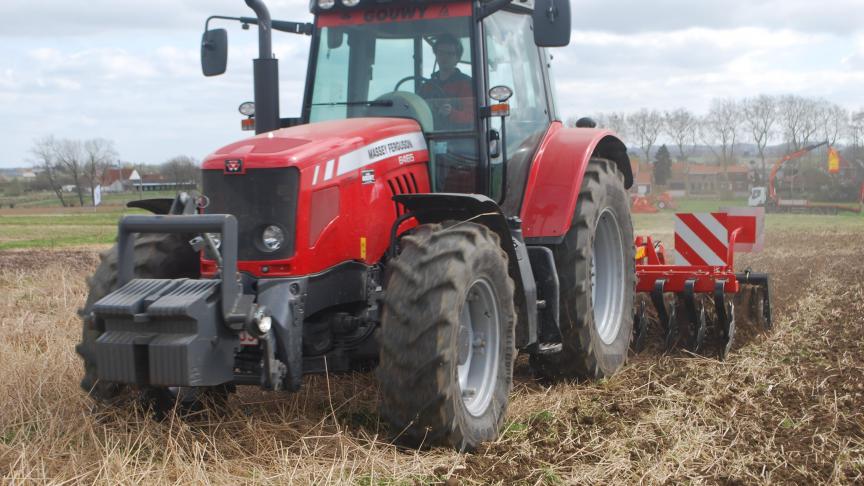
[
  {"x": 607, "y": 286},
  {"x": 479, "y": 334}
]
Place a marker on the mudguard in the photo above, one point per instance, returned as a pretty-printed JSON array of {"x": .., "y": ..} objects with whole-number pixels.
[
  {"x": 161, "y": 205},
  {"x": 556, "y": 176}
]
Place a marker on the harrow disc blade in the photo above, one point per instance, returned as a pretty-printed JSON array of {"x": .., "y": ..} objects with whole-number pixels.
[
  {"x": 760, "y": 310},
  {"x": 697, "y": 329},
  {"x": 670, "y": 335},
  {"x": 728, "y": 330}
]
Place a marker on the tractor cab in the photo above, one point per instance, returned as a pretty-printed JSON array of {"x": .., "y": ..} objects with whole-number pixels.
[{"x": 437, "y": 63}]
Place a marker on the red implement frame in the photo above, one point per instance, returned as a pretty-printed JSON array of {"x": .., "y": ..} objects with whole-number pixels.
[{"x": 657, "y": 277}]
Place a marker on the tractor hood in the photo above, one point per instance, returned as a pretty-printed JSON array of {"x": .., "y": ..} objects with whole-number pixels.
[{"x": 358, "y": 139}]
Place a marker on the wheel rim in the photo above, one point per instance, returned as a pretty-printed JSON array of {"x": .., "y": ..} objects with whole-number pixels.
[
  {"x": 607, "y": 286},
  {"x": 479, "y": 335}
]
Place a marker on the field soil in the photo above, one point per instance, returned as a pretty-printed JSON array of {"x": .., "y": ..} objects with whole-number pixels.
[{"x": 787, "y": 407}]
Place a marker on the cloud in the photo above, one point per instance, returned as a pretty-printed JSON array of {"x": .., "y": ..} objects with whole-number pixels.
[
  {"x": 65, "y": 18},
  {"x": 838, "y": 17}
]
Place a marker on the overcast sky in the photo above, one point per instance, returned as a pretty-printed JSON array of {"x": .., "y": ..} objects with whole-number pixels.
[{"x": 129, "y": 70}]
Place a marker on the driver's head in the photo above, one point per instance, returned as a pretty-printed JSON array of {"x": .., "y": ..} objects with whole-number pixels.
[{"x": 448, "y": 51}]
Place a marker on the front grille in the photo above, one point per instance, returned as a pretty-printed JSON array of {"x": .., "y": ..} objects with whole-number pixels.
[{"x": 258, "y": 198}]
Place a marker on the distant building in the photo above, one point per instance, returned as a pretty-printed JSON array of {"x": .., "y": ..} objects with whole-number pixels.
[
  {"x": 704, "y": 179},
  {"x": 116, "y": 180}
]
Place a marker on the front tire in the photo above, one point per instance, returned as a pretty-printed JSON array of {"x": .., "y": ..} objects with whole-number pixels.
[
  {"x": 447, "y": 338},
  {"x": 596, "y": 268}
]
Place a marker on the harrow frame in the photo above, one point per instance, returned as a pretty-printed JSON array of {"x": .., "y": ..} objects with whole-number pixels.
[{"x": 657, "y": 277}]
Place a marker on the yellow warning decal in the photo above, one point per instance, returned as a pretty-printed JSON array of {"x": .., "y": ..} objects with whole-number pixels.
[{"x": 362, "y": 247}]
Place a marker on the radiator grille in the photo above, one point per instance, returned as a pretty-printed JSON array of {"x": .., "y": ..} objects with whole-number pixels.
[{"x": 258, "y": 198}]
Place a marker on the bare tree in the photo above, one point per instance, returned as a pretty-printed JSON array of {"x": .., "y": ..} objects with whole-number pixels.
[
  {"x": 99, "y": 154},
  {"x": 833, "y": 121},
  {"x": 814, "y": 116},
  {"x": 760, "y": 117},
  {"x": 797, "y": 120},
  {"x": 722, "y": 123},
  {"x": 646, "y": 125},
  {"x": 182, "y": 169},
  {"x": 680, "y": 124},
  {"x": 617, "y": 122},
  {"x": 70, "y": 155},
  {"x": 855, "y": 129},
  {"x": 43, "y": 152}
]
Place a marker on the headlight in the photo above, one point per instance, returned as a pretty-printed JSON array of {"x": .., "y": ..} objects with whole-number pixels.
[
  {"x": 326, "y": 4},
  {"x": 350, "y": 3},
  {"x": 247, "y": 108},
  {"x": 272, "y": 238}
]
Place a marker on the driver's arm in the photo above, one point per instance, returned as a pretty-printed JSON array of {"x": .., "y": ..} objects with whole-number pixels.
[{"x": 462, "y": 105}]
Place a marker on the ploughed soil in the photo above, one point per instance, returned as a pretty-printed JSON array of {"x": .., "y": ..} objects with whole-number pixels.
[{"x": 787, "y": 406}]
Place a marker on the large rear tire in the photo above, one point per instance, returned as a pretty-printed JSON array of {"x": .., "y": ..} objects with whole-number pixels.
[
  {"x": 596, "y": 268},
  {"x": 447, "y": 338},
  {"x": 156, "y": 256}
]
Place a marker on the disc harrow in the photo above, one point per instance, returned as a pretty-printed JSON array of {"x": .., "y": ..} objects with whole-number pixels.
[{"x": 701, "y": 285}]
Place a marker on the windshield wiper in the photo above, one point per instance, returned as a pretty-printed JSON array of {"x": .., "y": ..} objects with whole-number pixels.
[{"x": 356, "y": 103}]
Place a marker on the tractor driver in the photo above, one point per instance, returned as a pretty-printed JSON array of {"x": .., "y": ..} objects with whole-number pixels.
[{"x": 448, "y": 90}]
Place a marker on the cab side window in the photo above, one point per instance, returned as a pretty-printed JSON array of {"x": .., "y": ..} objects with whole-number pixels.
[{"x": 514, "y": 61}]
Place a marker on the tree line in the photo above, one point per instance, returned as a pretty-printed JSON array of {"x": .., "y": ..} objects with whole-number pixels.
[
  {"x": 792, "y": 120},
  {"x": 84, "y": 165}
]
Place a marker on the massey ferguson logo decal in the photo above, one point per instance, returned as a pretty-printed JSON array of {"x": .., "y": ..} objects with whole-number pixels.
[
  {"x": 386, "y": 149},
  {"x": 234, "y": 166}
]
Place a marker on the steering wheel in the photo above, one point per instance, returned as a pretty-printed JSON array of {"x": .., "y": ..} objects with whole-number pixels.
[{"x": 423, "y": 82}]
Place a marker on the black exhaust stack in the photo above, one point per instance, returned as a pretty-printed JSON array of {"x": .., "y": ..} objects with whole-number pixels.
[{"x": 266, "y": 73}]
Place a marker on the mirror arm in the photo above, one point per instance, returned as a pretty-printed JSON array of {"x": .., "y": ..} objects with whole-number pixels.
[
  {"x": 302, "y": 28},
  {"x": 488, "y": 9},
  {"x": 220, "y": 17}
]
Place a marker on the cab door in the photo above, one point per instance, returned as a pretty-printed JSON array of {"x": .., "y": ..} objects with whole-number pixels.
[{"x": 515, "y": 61}]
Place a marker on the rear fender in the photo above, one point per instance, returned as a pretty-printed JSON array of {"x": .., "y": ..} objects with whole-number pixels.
[
  {"x": 440, "y": 207},
  {"x": 556, "y": 177}
]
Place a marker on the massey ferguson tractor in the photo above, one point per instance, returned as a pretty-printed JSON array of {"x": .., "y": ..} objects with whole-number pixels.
[{"x": 427, "y": 215}]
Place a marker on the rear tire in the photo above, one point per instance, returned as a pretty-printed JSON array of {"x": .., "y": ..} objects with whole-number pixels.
[
  {"x": 596, "y": 305},
  {"x": 156, "y": 256},
  {"x": 447, "y": 338}
]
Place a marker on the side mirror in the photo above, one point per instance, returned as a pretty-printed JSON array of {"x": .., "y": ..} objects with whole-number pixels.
[
  {"x": 214, "y": 52},
  {"x": 551, "y": 23}
]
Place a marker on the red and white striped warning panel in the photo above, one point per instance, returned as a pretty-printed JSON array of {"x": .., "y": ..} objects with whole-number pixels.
[
  {"x": 751, "y": 223},
  {"x": 701, "y": 239}
]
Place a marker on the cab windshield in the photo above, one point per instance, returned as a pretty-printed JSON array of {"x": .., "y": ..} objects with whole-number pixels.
[{"x": 408, "y": 62}]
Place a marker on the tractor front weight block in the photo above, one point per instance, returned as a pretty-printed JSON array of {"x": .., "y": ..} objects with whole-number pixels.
[{"x": 173, "y": 332}]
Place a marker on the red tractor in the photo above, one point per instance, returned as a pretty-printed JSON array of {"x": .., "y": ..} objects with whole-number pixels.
[{"x": 427, "y": 215}]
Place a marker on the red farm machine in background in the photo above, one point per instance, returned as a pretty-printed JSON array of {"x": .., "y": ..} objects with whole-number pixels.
[
  {"x": 651, "y": 204},
  {"x": 704, "y": 250},
  {"x": 771, "y": 200}
]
